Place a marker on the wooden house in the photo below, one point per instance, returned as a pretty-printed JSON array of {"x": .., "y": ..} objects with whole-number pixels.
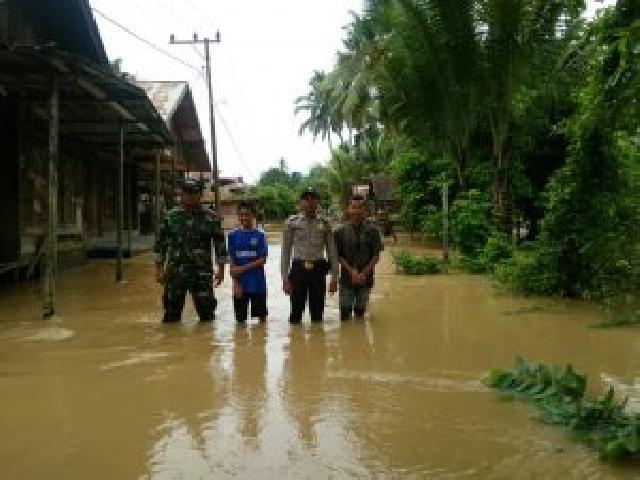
[{"x": 74, "y": 137}]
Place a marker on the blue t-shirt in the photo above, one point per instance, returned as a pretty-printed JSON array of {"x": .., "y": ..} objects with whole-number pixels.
[{"x": 245, "y": 246}]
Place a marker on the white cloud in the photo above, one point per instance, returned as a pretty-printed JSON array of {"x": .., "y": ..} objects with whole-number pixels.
[{"x": 267, "y": 55}]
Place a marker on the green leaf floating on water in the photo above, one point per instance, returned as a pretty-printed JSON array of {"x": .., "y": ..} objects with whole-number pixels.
[{"x": 559, "y": 395}]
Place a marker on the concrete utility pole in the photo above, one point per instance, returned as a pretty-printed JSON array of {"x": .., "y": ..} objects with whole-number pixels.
[{"x": 214, "y": 154}]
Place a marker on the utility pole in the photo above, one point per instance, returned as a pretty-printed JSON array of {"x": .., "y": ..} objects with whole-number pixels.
[
  {"x": 445, "y": 220},
  {"x": 212, "y": 119}
]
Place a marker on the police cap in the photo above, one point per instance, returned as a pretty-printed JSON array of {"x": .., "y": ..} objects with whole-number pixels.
[
  {"x": 309, "y": 192},
  {"x": 192, "y": 186}
]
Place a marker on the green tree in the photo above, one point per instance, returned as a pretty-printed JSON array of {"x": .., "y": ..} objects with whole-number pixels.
[
  {"x": 321, "y": 119},
  {"x": 591, "y": 229}
]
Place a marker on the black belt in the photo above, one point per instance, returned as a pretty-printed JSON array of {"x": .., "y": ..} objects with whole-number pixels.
[{"x": 306, "y": 264}]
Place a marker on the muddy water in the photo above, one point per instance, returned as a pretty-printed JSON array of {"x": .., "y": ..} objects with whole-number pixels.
[{"x": 105, "y": 391}]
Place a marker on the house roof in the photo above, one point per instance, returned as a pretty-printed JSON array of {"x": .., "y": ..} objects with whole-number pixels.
[
  {"x": 174, "y": 102},
  {"x": 94, "y": 102},
  {"x": 69, "y": 24},
  {"x": 165, "y": 96}
]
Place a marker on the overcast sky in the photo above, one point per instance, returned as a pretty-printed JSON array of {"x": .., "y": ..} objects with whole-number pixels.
[{"x": 268, "y": 52}]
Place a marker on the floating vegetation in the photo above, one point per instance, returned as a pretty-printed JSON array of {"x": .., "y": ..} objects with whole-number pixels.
[
  {"x": 410, "y": 264},
  {"x": 559, "y": 395}
]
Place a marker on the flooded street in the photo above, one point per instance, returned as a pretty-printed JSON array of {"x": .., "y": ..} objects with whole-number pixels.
[{"x": 105, "y": 391}]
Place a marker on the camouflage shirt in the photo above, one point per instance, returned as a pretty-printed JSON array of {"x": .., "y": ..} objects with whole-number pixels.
[{"x": 185, "y": 239}]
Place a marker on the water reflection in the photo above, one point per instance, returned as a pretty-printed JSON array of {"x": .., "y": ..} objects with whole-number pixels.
[{"x": 396, "y": 395}]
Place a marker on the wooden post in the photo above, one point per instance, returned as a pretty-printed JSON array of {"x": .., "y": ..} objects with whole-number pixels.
[
  {"x": 51, "y": 248},
  {"x": 445, "y": 221},
  {"x": 173, "y": 175},
  {"x": 130, "y": 206},
  {"x": 157, "y": 192},
  {"x": 21, "y": 166},
  {"x": 119, "y": 213}
]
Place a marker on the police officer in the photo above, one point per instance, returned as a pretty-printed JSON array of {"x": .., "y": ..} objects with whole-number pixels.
[
  {"x": 184, "y": 243},
  {"x": 306, "y": 237}
]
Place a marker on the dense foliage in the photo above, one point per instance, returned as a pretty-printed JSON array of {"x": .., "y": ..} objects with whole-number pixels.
[
  {"x": 527, "y": 111},
  {"x": 277, "y": 191},
  {"x": 560, "y": 397}
]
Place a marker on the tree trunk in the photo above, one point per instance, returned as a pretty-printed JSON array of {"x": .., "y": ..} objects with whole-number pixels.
[{"x": 460, "y": 163}]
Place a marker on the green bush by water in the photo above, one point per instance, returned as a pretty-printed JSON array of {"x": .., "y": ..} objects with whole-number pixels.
[
  {"x": 559, "y": 395},
  {"x": 410, "y": 264}
]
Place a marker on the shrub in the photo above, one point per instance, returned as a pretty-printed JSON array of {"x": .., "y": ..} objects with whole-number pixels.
[
  {"x": 524, "y": 273},
  {"x": 410, "y": 264},
  {"x": 495, "y": 252},
  {"x": 470, "y": 222},
  {"x": 432, "y": 221}
]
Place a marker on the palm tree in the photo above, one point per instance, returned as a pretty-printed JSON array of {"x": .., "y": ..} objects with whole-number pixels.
[
  {"x": 441, "y": 68},
  {"x": 516, "y": 34},
  {"x": 321, "y": 119}
]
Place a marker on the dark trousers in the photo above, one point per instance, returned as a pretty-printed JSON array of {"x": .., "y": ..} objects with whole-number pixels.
[
  {"x": 199, "y": 284},
  {"x": 258, "y": 306},
  {"x": 305, "y": 284}
]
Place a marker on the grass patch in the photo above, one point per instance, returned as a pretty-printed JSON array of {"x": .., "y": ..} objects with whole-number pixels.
[{"x": 558, "y": 393}]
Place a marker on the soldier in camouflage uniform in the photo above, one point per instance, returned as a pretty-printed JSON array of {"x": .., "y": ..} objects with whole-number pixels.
[{"x": 183, "y": 243}]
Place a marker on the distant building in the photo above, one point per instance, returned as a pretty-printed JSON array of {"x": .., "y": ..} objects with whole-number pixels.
[{"x": 232, "y": 191}]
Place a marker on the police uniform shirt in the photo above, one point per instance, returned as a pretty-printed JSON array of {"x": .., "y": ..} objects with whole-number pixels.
[{"x": 307, "y": 238}]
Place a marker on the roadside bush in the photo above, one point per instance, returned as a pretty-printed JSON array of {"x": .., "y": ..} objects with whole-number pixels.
[
  {"x": 432, "y": 221},
  {"x": 495, "y": 252},
  {"x": 410, "y": 264},
  {"x": 525, "y": 273},
  {"x": 471, "y": 222}
]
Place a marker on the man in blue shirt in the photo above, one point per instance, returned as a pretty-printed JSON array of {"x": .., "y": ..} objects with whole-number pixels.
[{"x": 248, "y": 254}]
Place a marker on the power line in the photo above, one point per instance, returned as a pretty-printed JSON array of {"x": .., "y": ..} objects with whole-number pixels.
[
  {"x": 172, "y": 14},
  {"x": 145, "y": 41},
  {"x": 232, "y": 139},
  {"x": 201, "y": 12},
  {"x": 169, "y": 25},
  {"x": 233, "y": 142}
]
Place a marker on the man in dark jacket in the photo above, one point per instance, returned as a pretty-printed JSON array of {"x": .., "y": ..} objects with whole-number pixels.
[{"x": 358, "y": 245}]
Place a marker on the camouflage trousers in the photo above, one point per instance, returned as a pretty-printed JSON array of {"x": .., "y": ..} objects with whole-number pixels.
[{"x": 198, "y": 282}]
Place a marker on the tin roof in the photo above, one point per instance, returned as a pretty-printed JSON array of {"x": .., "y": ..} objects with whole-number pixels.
[
  {"x": 69, "y": 24},
  {"x": 174, "y": 102},
  {"x": 94, "y": 103},
  {"x": 165, "y": 96}
]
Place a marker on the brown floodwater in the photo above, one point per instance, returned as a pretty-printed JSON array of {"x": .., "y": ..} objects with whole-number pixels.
[{"x": 105, "y": 391}]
